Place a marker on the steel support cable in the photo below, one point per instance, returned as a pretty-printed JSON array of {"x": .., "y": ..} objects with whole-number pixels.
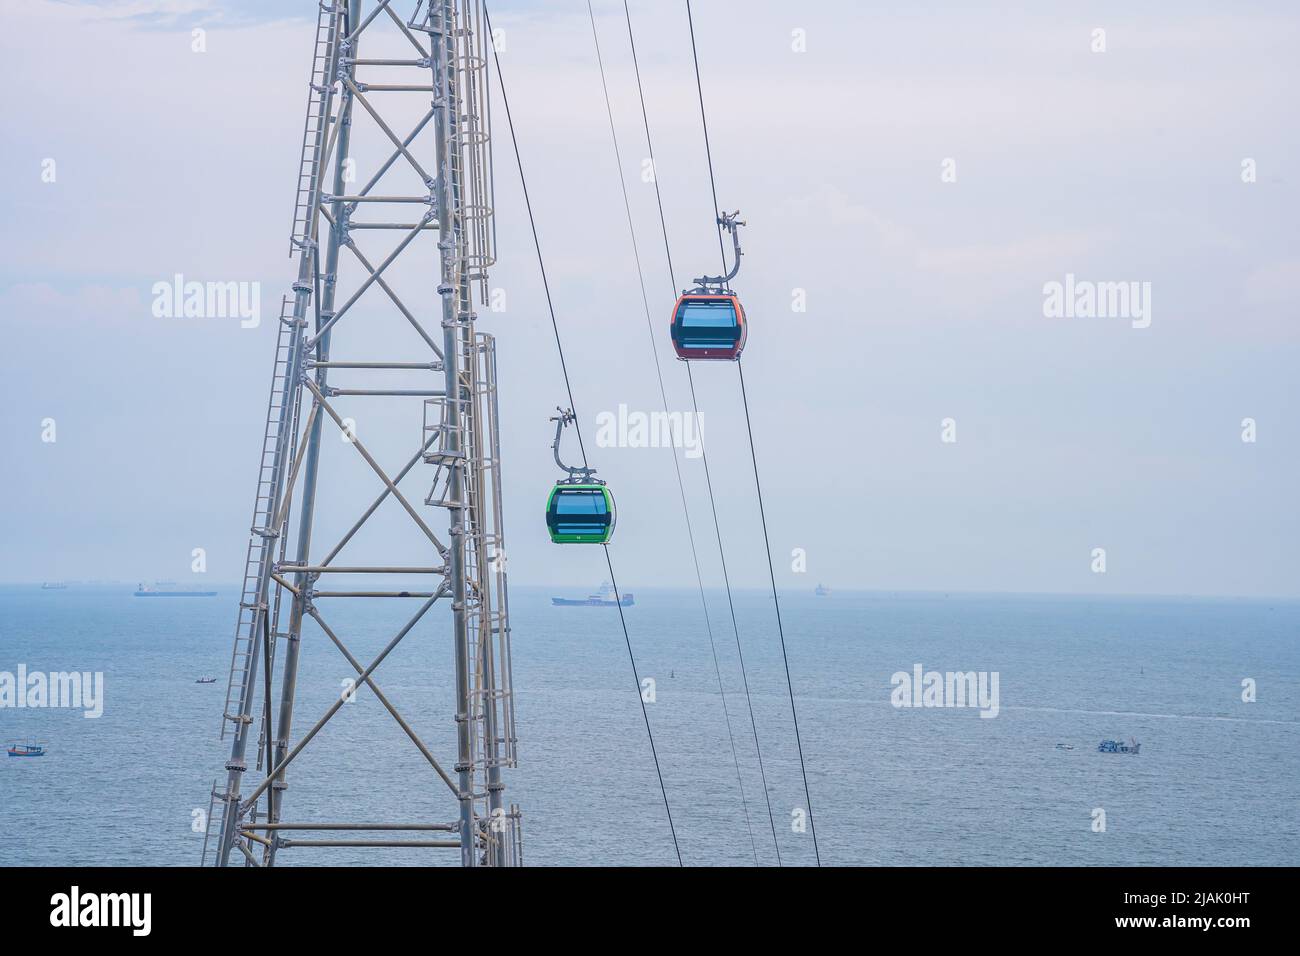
[
  {"x": 663, "y": 395},
  {"x": 726, "y": 577},
  {"x": 767, "y": 543},
  {"x": 704, "y": 121},
  {"x": 555, "y": 327}
]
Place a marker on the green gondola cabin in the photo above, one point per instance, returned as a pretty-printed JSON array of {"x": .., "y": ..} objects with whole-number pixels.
[{"x": 580, "y": 513}]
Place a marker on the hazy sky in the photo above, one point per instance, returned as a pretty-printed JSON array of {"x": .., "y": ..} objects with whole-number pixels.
[{"x": 924, "y": 297}]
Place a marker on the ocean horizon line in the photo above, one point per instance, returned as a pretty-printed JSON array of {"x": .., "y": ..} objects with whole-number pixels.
[{"x": 763, "y": 589}]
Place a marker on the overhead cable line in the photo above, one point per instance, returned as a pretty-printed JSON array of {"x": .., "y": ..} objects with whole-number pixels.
[
  {"x": 555, "y": 327},
  {"x": 767, "y": 543},
  {"x": 708, "y": 477},
  {"x": 663, "y": 395}
]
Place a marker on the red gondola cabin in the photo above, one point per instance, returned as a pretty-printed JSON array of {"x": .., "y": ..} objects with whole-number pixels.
[{"x": 708, "y": 326}]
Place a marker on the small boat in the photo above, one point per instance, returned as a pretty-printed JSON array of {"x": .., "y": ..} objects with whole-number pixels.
[
  {"x": 822, "y": 591},
  {"x": 1119, "y": 747},
  {"x": 206, "y": 680},
  {"x": 605, "y": 597},
  {"x": 53, "y": 586},
  {"x": 26, "y": 750},
  {"x": 1065, "y": 746},
  {"x": 169, "y": 589}
]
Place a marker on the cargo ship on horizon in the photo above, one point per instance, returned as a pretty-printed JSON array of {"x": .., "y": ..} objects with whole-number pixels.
[{"x": 605, "y": 597}]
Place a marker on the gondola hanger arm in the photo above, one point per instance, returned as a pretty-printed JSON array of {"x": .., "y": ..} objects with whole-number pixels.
[
  {"x": 731, "y": 224},
  {"x": 575, "y": 473}
]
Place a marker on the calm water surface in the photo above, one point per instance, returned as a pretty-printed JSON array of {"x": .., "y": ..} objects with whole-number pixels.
[{"x": 1215, "y": 783}]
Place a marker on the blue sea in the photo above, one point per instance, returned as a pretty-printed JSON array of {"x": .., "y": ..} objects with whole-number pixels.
[{"x": 1215, "y": 782}]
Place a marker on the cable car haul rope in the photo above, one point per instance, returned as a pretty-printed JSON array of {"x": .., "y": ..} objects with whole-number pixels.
[
  {"x": 723, "y": 224},
  {"x": 708, "y": 324},
  {"x": 559, "y": 346},
  {"x": 726, "y": 579},
  {"x": 652, "y": 334}
]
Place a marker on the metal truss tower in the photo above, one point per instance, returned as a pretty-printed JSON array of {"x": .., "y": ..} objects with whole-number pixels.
[{"x": 445, "y": 233}]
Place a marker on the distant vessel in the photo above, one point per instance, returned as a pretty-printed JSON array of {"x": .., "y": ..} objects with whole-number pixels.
[
  {"x": 53, "y": 586},
  {"x": 1065, "y": 746},
  {"x": 605, "y": 597},
  {"x": 26, "y": 750},
  {"x": 822, "y": 591},
  {"x": 1119, "y": 747},
  {"x": 169, "y": 589},
  {"x": 206, "y": 680}
]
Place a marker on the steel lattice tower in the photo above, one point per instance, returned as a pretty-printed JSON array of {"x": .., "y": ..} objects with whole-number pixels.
[{"x": 449, "y": 149}]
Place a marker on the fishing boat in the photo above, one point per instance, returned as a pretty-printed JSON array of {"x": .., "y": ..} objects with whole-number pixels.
[
  {"x": 206, "y": 680},
  {"x": 1119, "y": 747},
  {"x": 605, "y": 597},
  {"x": 822, "y": 591},
  {"x": 169, "y": 589},
  {"x": 26, "y": 750}
]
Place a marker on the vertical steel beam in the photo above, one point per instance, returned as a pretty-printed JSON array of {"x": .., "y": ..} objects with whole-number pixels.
[
  {"x": 442, "y": 64},
  {"x": 465, "y": 128},
  {"x": 290, "y": 396},
  {"x": 303, "y": 581}
]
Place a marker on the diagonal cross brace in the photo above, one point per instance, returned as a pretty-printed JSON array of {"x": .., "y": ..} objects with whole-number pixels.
[
  {"x": 388, "y": 130},
  {"x": 383, "y": 476},
  {"x": 334, "y": 553},
  {"x": 251, "y": 800},
  {"x": 401, "y": 307},
  {"x": 356, "y": 665},
  {"x": 374, "y": 275}
]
